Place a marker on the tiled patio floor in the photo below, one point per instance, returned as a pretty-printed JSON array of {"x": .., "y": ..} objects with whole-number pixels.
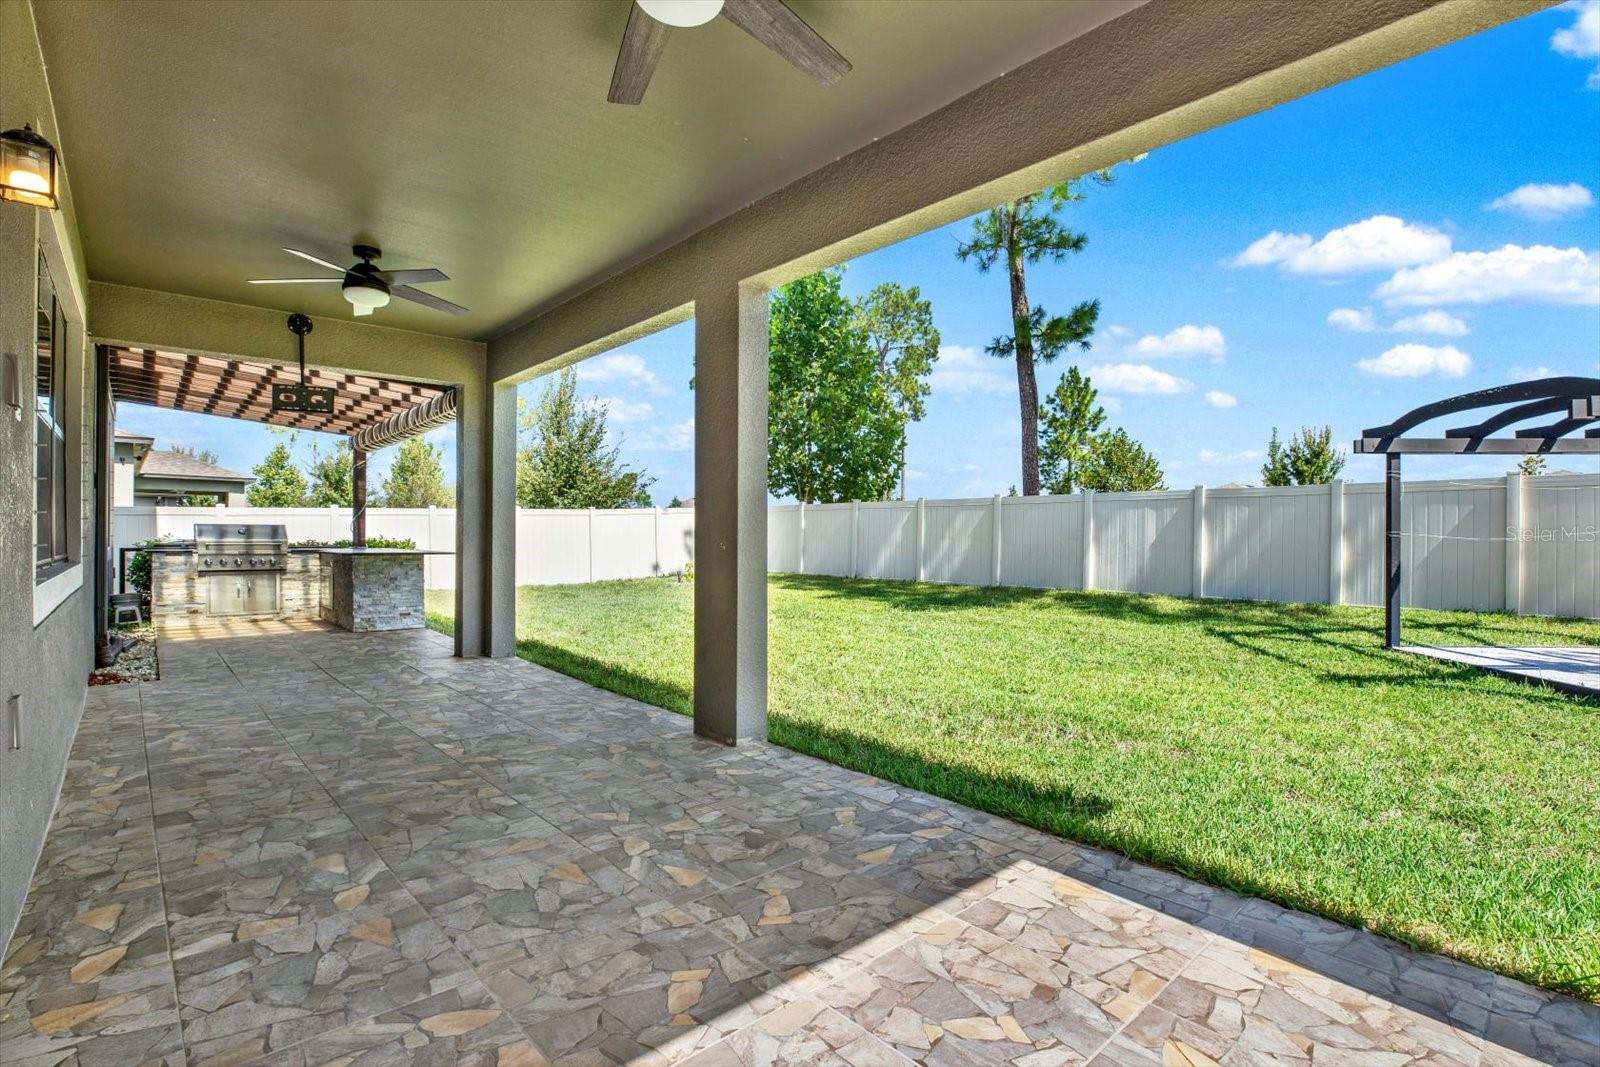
[{"x": 306, "y": 847}]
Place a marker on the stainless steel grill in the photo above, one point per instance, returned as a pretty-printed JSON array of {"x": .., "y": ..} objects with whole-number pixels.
[{"x": 241, "y": 566}]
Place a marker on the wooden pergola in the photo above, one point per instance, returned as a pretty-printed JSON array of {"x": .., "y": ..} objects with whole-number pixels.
[
  {"x": 1571, "y": 403},
  {"x": 372, "y": 412}
]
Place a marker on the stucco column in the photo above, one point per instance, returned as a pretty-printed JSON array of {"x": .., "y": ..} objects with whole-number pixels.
[
  {"x": 730, "y": 519},
  {"x": 486, "y": 520}
]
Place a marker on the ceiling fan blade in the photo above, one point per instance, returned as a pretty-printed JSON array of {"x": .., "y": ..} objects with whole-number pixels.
[
  {"x": 295, "y": 281},
  {"x": 361, "y": 310},
  {"x": 774, "y": 25},
  {"x": 417, "y": 296},
  {"x": 641, "y": 48},
  {"x": 314, "y": 259},
  {"x": 413, "y": 277}
]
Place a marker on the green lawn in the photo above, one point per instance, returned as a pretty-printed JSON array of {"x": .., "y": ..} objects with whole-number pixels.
[{"x": 1274, "y": 749}]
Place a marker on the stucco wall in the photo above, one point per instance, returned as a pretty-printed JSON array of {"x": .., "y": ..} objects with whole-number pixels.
[{"x": 45, "y": 665}]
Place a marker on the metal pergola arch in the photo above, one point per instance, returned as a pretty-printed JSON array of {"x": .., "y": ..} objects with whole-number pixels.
[{"x": 1573, "y": 401}]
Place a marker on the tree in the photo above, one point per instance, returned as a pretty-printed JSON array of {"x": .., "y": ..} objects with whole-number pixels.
[
  {"x": 204, "y": 455},
  {"x": 564, "y": 462},
  {"x": 279, "y": 483},
  {"x": 1308, "y": 459},
  {"x": 1276, "y": 471},
  {"x": 1068, "y": 423},
  {"x": 1531, "y": 466},
  {"x": 416, "y": 477},
  {"x": 1026, "y": 231},
  {"x": 899, "y": 327},
  {"x": 1116, "y": 463},
  {"x": 833, "y": 430},
  {"x": 332, "y": 477}
]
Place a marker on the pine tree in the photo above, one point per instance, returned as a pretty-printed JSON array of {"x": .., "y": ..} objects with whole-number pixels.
[
  {"x": 1028, "y": 230},
  {"x": 279, "y": 483},
  {"x": 564, "y": 461},
  {"x": 416, "y": 478},
  {"x": 1276, "y": 470},
  {"x": 1068, "y": 423}
]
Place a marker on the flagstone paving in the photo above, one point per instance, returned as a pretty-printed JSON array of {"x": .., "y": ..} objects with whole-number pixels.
[{"x": 302, "y": 846}]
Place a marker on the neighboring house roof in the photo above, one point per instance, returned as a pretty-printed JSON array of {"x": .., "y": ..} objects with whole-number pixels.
[
  {"x": 189, "y": 468},
  {"x": 127, "y": 435}
]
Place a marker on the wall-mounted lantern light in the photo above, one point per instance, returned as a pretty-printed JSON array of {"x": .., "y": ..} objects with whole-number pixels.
[{"x": 28, "y": 172}]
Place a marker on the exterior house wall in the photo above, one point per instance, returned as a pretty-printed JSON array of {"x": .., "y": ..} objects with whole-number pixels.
[{"x": 46, "y": 631}]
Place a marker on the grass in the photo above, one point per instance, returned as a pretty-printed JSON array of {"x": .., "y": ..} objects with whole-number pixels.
[{"x": 1273, "y": 749}]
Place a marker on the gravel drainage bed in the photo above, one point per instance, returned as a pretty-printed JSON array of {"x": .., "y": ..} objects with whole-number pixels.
[{"x": 136, "y": 663}]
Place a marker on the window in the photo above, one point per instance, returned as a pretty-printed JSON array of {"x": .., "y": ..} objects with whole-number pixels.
[{"x": 50, "y": 468}]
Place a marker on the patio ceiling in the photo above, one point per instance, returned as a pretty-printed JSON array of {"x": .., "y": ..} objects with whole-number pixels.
[
  {"x": 239, "y": 389},
  {"x": 201, "y": 138}
]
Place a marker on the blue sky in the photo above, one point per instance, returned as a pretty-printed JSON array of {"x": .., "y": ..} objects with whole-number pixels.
[{"x": 1424, "y": 230}]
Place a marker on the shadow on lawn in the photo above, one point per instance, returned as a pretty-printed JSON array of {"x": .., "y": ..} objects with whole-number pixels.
[
  {"x": 1000, "y": 794},
  {"x": 1279, "y": 632}
]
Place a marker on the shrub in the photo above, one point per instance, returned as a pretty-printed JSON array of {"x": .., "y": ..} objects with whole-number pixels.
[{"x": 372, "y": 542}]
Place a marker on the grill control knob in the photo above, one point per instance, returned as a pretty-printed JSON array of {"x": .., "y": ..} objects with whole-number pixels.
[{"x": 207, "y": 561}]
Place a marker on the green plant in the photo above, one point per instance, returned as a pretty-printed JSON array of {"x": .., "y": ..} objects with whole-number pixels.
[
  {"x": 138, "y": 572},
  {"x": 345, "y": 542}
]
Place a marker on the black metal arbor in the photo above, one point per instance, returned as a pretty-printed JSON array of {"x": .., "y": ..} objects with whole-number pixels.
[{"x": 1574, "y": 401}]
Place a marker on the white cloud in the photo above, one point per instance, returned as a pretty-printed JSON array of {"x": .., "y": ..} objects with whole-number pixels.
[
  {"x": 1380, "y": 242},
  {"x": 1539, "y": 273},
  {"x": 1581, "y": 40},
  {"x": 618, "y": 409},
  {"x": 1546, "y": 202},
  {"x": 1353, "y": 320},
  {"x": 1528, "y": 374},
  {"x": 1419, "y": 361},
  {"x": 620, "y": 367},
  {"x": 1116, "y": 330},
  {"x": 679, "y": 437},
  {"x": 1433, "y": 321},
  {"x": 1185, "y": 340},
  {"x": 1218, "y": 399},
  {"x": 964, "y": 369},
  {"x": 1138, "y": 379}
]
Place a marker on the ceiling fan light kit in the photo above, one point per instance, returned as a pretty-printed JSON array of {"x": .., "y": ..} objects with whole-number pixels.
[
  {"x": 366, "y": 288},
  {"x": 684, "y": 13}
]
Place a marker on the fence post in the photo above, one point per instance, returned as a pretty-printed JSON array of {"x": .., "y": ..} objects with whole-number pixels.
[
  {"x": 1514, "y": 502},
  {"x": 800, "y": 539},
  {"x": 591, "y": 544},
  {"x": 655, "y": 540},
  {"x": 922, "y": 538},
  {"x": 1199, "y": 530},
  {"x": 1088, "y": 539},
  {"x": 1336, "y": 541},
  {"x": 994, "y": 562},
  {"x": 855, "y": 540}
]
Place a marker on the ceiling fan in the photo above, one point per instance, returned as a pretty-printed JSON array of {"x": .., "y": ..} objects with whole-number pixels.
[
  {"x": 367, "y": 288},
  {"x": 768, "y": 21}
]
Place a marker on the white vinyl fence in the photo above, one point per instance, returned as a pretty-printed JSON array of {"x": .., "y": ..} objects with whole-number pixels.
[{"x": 1527, "y": 545}]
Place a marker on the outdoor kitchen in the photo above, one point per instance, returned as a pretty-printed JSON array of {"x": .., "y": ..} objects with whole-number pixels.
[{"x": 230, "y": 571}]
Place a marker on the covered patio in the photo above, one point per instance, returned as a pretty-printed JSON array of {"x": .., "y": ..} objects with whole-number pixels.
[{"x": 302, "y": 845}]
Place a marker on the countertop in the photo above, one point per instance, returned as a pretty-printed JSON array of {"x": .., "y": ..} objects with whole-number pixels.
[{"x": 376, "y": 551}]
